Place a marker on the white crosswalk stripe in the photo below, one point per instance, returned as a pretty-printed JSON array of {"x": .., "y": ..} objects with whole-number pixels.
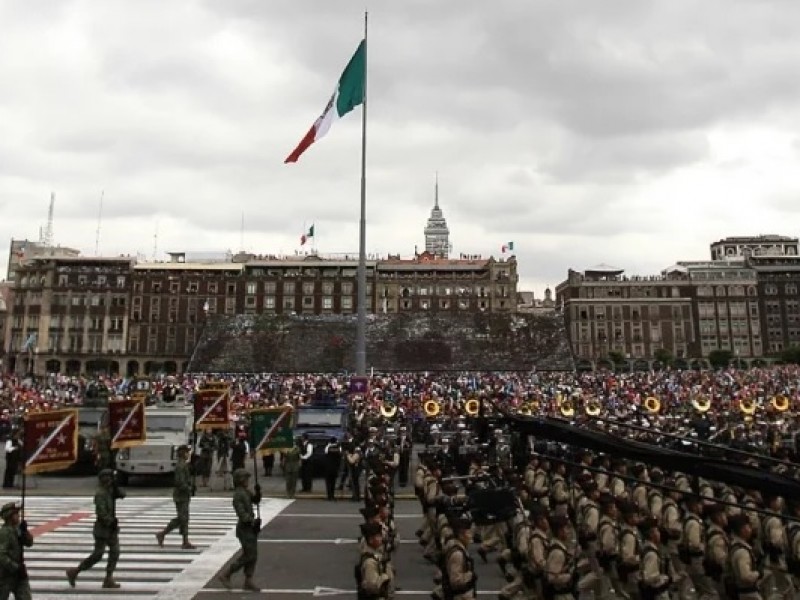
[{"x": 144, "y": 570}]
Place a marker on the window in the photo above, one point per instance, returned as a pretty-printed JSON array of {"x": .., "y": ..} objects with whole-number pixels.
[
  {"x": 791, "y": 289},
  {"x": 250, "y": 301},
  {"x": 230, "y": 289},
  {"x": 269, "y": 302},
  {"x": 327, "y": 303},
  {"x": 327, "y": 288},
  {"x": 288, "y": 304},
  {"x": 704, "y": 290},
  {"x": 63, "y": 280},
  {"x": 270, "y": 287},
  {"x": 308, "y": 301},
  {"x": 155, "y": 287},
  {"x": 82, "y": 279},
  {"x": 771, "y": 289},
  {"x": 347, "y": 303},
  {"x": 288, "y": 288},
  {"x": 212, "y": 287},
  {"x": 138, "y": 287},
  {"x": 308, "y": 288},
  {"x": 347, "y": 287},
  {"x": 230, "y": 306},
  {"x": 193, "y": 287},
  {"x": 444, "y": 304},
  {"x": 251, "y": 287},
  {"x": 115, "y": 324}
]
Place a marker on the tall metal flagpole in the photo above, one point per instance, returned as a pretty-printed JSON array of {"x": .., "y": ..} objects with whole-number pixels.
[{"x": 361, "y": 321}]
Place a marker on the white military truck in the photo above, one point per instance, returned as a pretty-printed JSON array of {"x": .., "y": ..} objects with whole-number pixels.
[{"x": 167, "y": 429}]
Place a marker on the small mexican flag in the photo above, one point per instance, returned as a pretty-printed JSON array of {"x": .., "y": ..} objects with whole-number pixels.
[
  {"x": 306, "y": 235},
  {"x": 348, "y": 94},
  {"x": 508, "y": 247}
]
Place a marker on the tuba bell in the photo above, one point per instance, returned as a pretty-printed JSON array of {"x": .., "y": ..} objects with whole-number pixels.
[
  {"x": 593, "y": 407},
  {"x": 432, "y": 408},
  {"x": 747, "y": 405},
  {"x": 780, "y": 403},
  {"x": 567, "y": 407},
  {"x": 525, "y": 409},
  {"x": 652, "y": 404},
  {"x": 701, "y": 403},
  {"x": 388, "y": 409},
  {"x": 472, "y": 407}
]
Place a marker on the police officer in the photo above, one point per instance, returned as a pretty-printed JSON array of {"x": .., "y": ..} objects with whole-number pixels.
[
  {"x": 247, "y": 530},
  {"x": 13, "y": 536},
  {"x": 181, "y": 495},
  {"x": 105, "y": 531}
]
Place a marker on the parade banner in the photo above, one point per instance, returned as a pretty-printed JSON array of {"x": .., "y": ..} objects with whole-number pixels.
[
  {"x": 358, "y": 386},
  {"x": 50, "y": 440},
  {"x": 212, "y": 409},
  {"x": 127, "y": 422},
  {"x": 271, "y": 429}
]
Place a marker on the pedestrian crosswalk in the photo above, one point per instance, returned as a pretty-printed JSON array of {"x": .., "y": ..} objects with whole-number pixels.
[{"x": 62, "y": 530}]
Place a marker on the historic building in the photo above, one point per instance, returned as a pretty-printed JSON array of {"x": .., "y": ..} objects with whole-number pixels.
[
  {"x": 437, "y": 235},
  {"x": 94, "y": 314},
  {"x": 746, "y": 246}
]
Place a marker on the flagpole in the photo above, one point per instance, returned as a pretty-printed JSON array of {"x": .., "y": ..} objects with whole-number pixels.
[{"x": 361, "y": 320}]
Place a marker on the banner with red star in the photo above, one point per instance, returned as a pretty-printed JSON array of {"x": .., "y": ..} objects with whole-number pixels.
[
  {"x": 50, "y": 440},
  {"x": 212, "y": 409},
  {"x": 127, "y": 422}
]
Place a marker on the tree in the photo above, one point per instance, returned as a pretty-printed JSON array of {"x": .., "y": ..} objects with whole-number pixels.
[
  {"x": 720, "y": 359},
  {"x": 791, "y": 356},
  {"x": 617, "y": 357},
  {"x": 663, "y": 356}
]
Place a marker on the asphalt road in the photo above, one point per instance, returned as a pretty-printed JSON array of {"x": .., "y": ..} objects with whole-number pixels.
[{"x": 309, "y": 550}]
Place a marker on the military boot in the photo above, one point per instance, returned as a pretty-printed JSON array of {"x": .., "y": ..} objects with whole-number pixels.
[
  {"x": 109, "y": 583},
  {"x": 187, "y": 545},
  {"x": 250, "y": 586},
  {"x": 72, "y": 575},
  {"x": 225, "y": 579},
  {"x": 160, "y": 539}
]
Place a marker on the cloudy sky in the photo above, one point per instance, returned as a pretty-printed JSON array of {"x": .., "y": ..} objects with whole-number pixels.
[{"x": 627, "y": 132}]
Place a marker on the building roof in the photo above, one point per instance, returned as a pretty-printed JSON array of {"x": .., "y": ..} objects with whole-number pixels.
[
  {"x": 604, "y": 268},
  {"x": 184, "y": 266}
]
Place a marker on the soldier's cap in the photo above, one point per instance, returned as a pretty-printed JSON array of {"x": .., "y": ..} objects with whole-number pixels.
[
  {"x": 106, "y": 473},
  {"x": 369, "y": 512},
  {"x": 712, "y": 510},
  {"x": 240, "y": 475},
  {"x": 460, "y": 522},
  {"x": 736, "y": 522},
  {"x": 9, "y": 509},
  {"x": 647, "y": 524},
  {"x": 605, "y": 500},
  {"x": 371, "y": 529}
]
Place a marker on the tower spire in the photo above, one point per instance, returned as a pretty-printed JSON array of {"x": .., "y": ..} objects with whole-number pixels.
[{"x": 436, "y": 192}]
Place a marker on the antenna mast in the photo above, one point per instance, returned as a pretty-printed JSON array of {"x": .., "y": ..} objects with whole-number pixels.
[
  {"x": 47, "y": 236},
  {"x": 155, "y": 243},
  {"x": 99, "y": 222}
]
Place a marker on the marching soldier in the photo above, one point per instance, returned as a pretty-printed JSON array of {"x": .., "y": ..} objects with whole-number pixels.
[
  {"x": 608, "y": 543},
  {"x": 13, "y": 536},
  {"x": 656, "y": 572},
  {"x": 559, "y": 568},
  {"x": 630, "y": 547},
  {"x": 291, "y": 468},
  {"x": 716, "y": 556},
  {"x": 459, "y": 579},
  {"x": 247, "y": 530},
  {"x": 538, "y": 547},
  {"x": 559, "y": 494},
  {"x": 105, "y": 531},
  {"x": 181, "y": 495},
  {"x": 743, "y": 574},
  {"x": 541, "y": 484},
  {"x": 373, "y": 578},
  {"x": 692, "y": 548}
]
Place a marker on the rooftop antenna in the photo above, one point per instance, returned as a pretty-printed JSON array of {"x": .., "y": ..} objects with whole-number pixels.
[
  {"x": 99, "y": 222},
  {"x": 436, "y": 191},
  {"x": 155, "y": 243},
  {"x": 47, "y": 235}
]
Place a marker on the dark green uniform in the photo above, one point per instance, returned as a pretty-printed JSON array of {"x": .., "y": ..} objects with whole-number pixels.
[
  {"x": 105, "y": 456},
  {"x": 181, "y": 495},
  {"x": 291, "y": 468},
  {"x": 247, "y": 530},
  {"x": 105, "y": 531},
  {"x": 13, "y": 574}
]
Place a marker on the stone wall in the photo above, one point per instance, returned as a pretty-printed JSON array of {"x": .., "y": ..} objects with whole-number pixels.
[{"x": 404, "y": 342}]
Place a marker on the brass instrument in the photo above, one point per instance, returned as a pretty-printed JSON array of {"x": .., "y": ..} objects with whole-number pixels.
[
  {"x": 432, "y": 408},
  {"x": 388, "y": 409},
  {"x": 472, "y": 407},
  {"x": 525, "y": 409},
  {"x": 566, "y": 407},
  {"x": 701, "y": 403},
  {"x": 593, "y": 407},
  {"x": 652, "y": 404},
  {"x": 747, "y": 405},
  {"x": 780, "y": 403}
]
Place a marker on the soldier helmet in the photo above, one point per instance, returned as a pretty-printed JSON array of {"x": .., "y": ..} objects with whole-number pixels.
[
  {"x": 8, "y": 510},
  {"x": 240, "y": 476},
  {"x": 184, "y": 449},
  {"x": 369, "y": 512},
  {"x": 106, "y": 474},
  {"x": 460, "y": 522}
]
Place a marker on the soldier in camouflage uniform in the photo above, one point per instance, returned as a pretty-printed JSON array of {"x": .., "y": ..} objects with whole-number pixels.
[
  {"x": 13, "y": 536},
  {"x": 106, "y": 530},
  {"x": 181, "y": 495},
  {"x": 247, "y": 530}
]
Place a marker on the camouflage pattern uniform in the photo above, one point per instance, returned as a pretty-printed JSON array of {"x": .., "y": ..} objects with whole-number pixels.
[
  {"x": 181, "y": 495},
  {"x": 106, "y": 531},
  {"x": 247, "y": 530},
  {"x": 13, "y": 536}
]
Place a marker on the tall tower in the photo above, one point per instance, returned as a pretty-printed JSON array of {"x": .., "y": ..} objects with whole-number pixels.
[{"x": 437, "y": 235}]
